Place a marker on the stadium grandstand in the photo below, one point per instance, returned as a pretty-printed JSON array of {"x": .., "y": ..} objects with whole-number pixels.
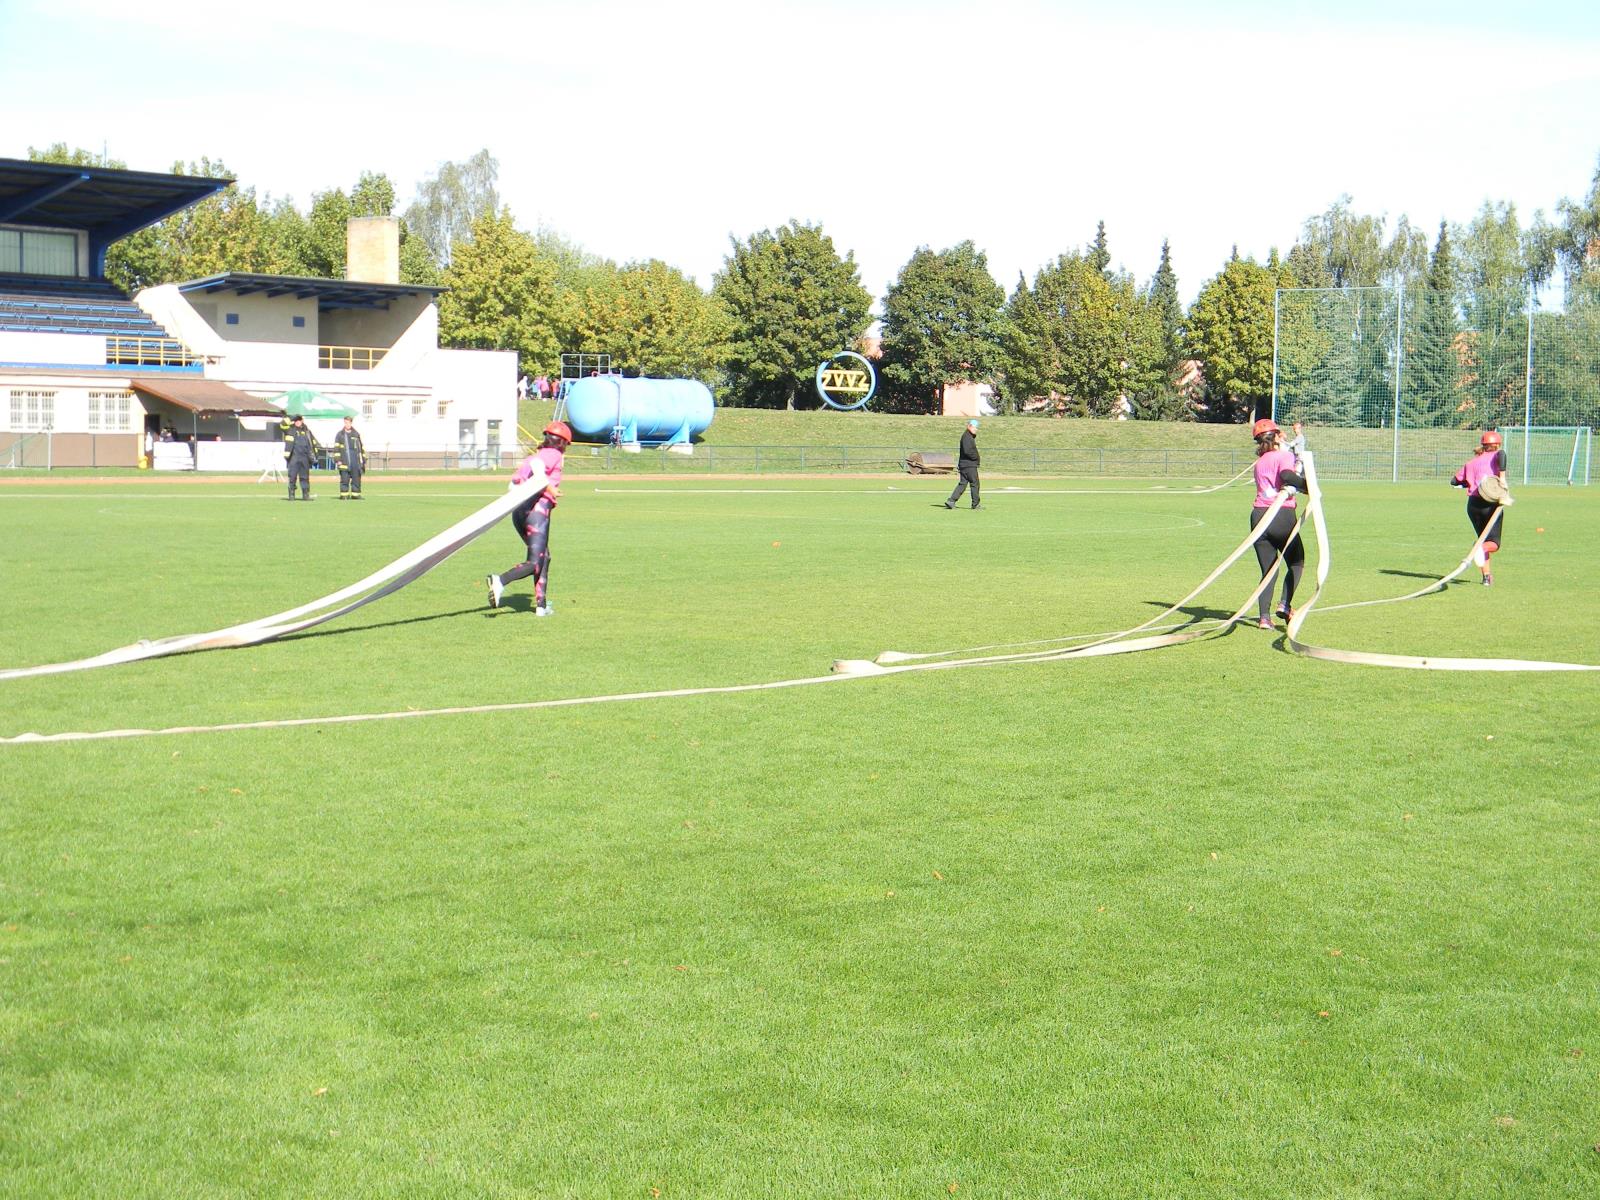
[{"x": 184, "y": 376}]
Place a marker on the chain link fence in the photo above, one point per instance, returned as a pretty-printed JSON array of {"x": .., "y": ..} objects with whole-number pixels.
[{"x": 1420, "y": 373}]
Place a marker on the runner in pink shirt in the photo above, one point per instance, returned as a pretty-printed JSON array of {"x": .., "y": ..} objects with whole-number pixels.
[
  {"x": 1484, "y": 514},
  {"x": 532, "y": 520},
  {"x": 1276, "y": 468}
]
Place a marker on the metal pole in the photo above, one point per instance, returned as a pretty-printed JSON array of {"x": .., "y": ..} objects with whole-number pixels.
[
  {"x": 1277, "y": 296},
  {"x": 1527, "y": 389},
  {"x": 1399, "y": 360}
]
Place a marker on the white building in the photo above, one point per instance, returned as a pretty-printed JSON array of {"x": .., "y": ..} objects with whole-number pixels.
[{"x": 90, "y": 378}]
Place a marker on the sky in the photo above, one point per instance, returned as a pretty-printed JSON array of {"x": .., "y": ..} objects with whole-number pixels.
[{"x": 648, "y": 130}]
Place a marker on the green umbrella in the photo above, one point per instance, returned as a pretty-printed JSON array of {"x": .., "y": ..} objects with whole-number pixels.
[{"x": 304, "y": 402}]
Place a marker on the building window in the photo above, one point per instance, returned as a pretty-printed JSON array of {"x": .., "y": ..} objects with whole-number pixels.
[
  {"x": 366, "y": 408},
  {"x": 32, "y": 409},
  {"x": 299, "y": 322},
  {"x": 394, "y": 408},
  {"x": 38, "y": 252},
  {"x": 416, "y": 405},
  {"x": 444, "y": 408},
  {"x": 110, "y": 412},
  {"x": 232, "y": 318}
]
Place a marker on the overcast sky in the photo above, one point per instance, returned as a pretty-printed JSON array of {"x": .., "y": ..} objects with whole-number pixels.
[{"x": 646, "y": 130}]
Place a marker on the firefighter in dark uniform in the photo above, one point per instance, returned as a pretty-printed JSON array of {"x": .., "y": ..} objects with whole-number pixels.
[
  {"x": 351, "y": 458},
  {"x": 300, "y": 449}
]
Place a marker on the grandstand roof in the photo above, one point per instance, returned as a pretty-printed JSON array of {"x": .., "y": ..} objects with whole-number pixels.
[
  {"x": 108, "y": 203},
  {"x": 330, "y": 293}
]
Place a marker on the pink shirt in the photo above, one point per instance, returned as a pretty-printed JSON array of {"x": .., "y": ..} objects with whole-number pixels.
[
  {"x": 1479, "y": 467},
  {"x": 1269, "y": 467},
  {"x": 550, "y": 458}
]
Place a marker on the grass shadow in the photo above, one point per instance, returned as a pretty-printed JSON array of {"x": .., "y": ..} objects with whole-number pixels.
[
  {"x": 1195, "y": 612},
  {"x": 1433, "y": 575},
  {"x": 513, "y": 603}
]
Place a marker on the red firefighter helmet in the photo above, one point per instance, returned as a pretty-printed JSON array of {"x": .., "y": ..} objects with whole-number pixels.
[
  {"x": 559, "y": 429},
  {"x": 1490, "y": 438},
  {"x": 1265, "y": 425}
]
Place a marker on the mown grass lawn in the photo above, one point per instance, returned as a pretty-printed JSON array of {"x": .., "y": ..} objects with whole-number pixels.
[{"x": 1212, "y": 920}]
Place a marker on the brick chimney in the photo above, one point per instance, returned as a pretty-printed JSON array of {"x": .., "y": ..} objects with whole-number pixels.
[{"x": 372, "y": 250}]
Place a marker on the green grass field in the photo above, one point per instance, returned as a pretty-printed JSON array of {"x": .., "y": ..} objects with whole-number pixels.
[{"x": 1211, "y": 920}]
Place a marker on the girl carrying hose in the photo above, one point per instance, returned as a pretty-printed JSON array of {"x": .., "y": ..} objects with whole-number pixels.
[
  {"x": 532, "y": 520},
  {"x": 1276, "y": 468},
  {"x": 1484, "y": 511}
]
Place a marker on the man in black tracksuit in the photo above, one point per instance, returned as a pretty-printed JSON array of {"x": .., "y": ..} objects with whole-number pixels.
[
  {"x": 967, "y": 465},
  {"x": 299, "y": 449},
  {"x": 351, "y": 458}
]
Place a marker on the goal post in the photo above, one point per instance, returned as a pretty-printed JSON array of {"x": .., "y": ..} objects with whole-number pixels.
[{"x": 1548, "y": 453}]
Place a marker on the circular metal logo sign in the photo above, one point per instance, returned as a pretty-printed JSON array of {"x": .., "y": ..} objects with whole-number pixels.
[{"x": 843, "y": 385}]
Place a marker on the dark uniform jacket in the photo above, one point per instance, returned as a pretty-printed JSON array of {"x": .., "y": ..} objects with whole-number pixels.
[
  {"x": 299, "y": 442},
  {"x": 348, "y": 452}
]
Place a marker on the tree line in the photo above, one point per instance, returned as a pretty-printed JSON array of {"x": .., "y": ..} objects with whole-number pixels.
[{"x": 1080, "y": 338}]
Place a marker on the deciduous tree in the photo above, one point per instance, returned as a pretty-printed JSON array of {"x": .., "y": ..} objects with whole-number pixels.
[
  {"x": 1082, "y": 341},
  {"x": 502, "y": 294},
  {"x": 942, "y": 319},
  {"x": 1230, "y": 332},
  {"x": 654, "y": 320},
  {"x": 792, "y": 302},
  {"x": 449, "y": 205}
]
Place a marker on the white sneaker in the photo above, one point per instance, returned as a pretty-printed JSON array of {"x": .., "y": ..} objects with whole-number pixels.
[
  {"x": 496, "y": 588},
  {"x": 543, "y": 610}
]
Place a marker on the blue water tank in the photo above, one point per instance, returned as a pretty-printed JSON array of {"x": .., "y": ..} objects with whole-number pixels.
[{"x": 652, "y": 411}]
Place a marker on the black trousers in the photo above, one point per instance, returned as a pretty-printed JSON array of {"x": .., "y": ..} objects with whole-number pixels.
[
  {"x": 350, "y": 480},
  {"x": 1273, "y": 540},
  {"x": 969, "y": 478},
  {"x": 300, "y": 468}
]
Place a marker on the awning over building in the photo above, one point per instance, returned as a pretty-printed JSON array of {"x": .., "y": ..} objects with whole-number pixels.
[
  {"x": 330, "y": 293},
  {"x": 206, "y": 397}
]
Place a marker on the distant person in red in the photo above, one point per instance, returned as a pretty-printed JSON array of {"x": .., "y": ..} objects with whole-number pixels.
[
  {"x": 1276, "y": 468},
  {"x": 532, "y": 519},
  {"x": 1485, "y": 513}
]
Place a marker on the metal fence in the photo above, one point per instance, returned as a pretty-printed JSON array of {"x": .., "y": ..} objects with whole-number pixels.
[
  {"x": 763, "y": 460},
  {"x": 1339, "y": 457},
  {"x": 1426, "y": 370},
  {"x": 26, "y": 450}
]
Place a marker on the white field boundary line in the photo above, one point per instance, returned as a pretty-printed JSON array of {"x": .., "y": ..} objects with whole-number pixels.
[
  {"x": 713, "y": 491},
  {"x": 1157, "y": 490},
  {"x": 391, "y": 578},
  {"x": 844, "y": 669},
  {"x": 1414, "y": 662}
]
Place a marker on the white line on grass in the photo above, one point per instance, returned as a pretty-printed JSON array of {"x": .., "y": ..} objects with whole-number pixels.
[
  {"x": 463, "y": 710},
  {"x": 707, "y": 491}
]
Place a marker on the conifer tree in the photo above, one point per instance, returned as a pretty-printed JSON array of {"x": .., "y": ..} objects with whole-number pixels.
[
  {"x": 1431, "y": 371},
  {"x": 1099, "y": 253}
]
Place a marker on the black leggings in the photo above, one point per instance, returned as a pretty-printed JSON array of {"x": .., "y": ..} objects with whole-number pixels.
[
  {"x": 1268, "y": 545},
  {"x": 1484, "y": 514},
  {"x": 533, "y": 526}
]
